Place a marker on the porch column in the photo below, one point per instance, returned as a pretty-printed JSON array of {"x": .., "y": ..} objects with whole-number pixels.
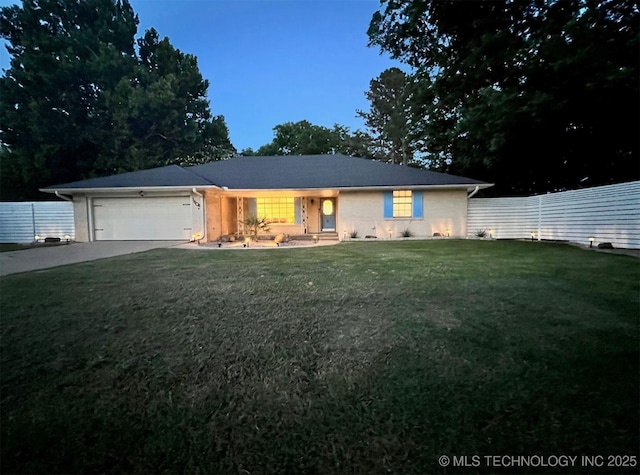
[
  {"x": 240, "y": 214},
  {"x": 303, "y": 205}
]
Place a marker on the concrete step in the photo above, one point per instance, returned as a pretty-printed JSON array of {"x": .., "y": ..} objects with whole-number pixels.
[{"x": 310, "y": 237}]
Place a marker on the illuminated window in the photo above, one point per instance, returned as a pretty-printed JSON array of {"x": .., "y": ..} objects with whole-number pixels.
[
  {"x": 276, "y": 210},
  {"x": 402, "y": 204}
]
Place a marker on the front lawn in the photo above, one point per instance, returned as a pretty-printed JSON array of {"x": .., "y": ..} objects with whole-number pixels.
[{"x": 360, "y": 357}]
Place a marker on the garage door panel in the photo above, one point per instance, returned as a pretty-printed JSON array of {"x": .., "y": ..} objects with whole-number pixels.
[{"x": 148, "y": 218}]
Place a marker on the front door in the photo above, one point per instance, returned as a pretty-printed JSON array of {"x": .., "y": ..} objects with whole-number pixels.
[{"x": 328, "y": 213}]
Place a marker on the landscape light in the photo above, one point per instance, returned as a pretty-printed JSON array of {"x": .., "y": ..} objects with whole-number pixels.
[
  {"x": 315, "y": 238},
  {"x": 246, "y": 242},
  {"x": 449, "y": 232},
  {"x": 533, "y": 234},
  {"x": 37, "y": 238},
  {"x": 490, "y": 233},
  {"x": 390, "y": 233},
  {"x": 67, "y": 237},
  {"x": 591, "y": 239}
]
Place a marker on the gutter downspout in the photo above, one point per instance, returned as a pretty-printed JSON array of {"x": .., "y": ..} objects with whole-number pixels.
[
  {"x": 473, "y": 192},
  {"x": 66, "y": 198}
]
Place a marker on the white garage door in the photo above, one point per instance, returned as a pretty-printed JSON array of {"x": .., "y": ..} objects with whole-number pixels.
[{"x": 148, "y": 218}]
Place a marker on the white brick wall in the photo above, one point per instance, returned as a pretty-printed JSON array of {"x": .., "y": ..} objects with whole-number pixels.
[{"x": 363, "y": 211}]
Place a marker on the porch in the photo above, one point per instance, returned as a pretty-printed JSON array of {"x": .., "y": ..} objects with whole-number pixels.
[{"x": 296, "y": 214}]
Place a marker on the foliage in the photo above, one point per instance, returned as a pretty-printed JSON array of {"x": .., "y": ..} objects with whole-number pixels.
[
  {"x": 256, "y": 226},
  {"x": 247, "y": 152},
  {"x": 353, "y": 234},
  {"x": 357, "y": 358},
  {"x": 481, "y": 233},
  {"x": 389, "y": 119},
  {"x": 534, "y": 96},
  {"x": 305, "y": 138},
  {"x": 406, "y": 233},
  {"x": 82, "y": 98}
]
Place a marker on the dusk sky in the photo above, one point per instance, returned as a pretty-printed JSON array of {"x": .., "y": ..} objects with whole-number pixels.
[{"x": 272, "y": 61}]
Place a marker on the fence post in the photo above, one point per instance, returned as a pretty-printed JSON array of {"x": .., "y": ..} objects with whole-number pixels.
[
  {"x": 539, "y": 217},
  {"x": 33, "y": 220}
]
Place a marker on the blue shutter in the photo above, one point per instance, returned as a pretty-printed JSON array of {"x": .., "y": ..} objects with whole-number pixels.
[
  {"x": 417, "y": 204},
  {"x": 388, "y": 204}
]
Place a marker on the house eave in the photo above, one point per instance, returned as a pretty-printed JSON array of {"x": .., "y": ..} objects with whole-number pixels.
[
  {"x": 457, "y": 186},
  {"x": 127, "y": 189},
  {"x": 460, "y": 186},
  {"x": 224, "y": 189}
]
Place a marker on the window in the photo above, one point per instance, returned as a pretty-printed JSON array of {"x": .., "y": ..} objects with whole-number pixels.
[
  {"x": 402, "y": 204},
  {"x": 276, "y": 210}
]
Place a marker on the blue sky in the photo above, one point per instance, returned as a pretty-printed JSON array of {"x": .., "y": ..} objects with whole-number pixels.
[{"x": 272, "y": 61}]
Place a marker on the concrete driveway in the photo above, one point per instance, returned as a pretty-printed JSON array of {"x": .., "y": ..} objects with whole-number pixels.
[{"x": 37, "y": 258}]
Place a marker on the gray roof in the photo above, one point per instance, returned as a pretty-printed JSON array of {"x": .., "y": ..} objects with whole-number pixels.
[
  {"x": 318, "y": 171},
  {"x": 171, "y": 175},
  {"x": 281, "y": 172}
]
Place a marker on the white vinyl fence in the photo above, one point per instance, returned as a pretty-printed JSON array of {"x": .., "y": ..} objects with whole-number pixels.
[
  {"x": 607, "y": 213},
  {"x": 21, "y": 222}
]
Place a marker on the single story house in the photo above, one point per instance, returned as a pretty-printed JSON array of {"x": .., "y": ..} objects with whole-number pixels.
[{"x": 314, "y": 194}]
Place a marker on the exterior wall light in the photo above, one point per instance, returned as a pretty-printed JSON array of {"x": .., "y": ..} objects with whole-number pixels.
[{"x": 591, "y": 239}]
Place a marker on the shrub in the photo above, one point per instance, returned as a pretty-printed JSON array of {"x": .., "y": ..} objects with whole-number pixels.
[
  {"x": 353, "y": 234},
  {"x": 256, "y": 225},
  {"x": 406, "y": 233},
  {"x": 481, "y": 233}
]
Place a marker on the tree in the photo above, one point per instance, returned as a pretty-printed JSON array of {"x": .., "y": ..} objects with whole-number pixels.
[
  {"x": 304, "y": 138},
  {"x": 80, "y": 101},
  {"x": 535, "y": 96},
  {"x": 247, "y": 152},
  {"x": 390, "y": 118}
]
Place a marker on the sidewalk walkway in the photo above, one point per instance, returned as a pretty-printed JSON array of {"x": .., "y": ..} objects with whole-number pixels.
[{"x": 14, "y": 262}]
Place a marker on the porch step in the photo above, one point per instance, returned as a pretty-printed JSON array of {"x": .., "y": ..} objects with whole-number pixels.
[{"x": 310, "y": 237}]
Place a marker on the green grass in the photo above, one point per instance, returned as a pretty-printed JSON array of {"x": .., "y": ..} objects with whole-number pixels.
[{"x": 360, "y": 357}]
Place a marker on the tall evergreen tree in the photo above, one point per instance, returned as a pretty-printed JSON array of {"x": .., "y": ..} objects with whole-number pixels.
[
  {"x": 390, "y": 117},
  {"x": 79, "y": 101}
]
